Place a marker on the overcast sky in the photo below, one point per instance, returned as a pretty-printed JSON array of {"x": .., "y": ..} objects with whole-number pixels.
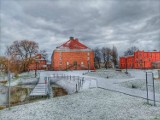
[{"x": 96, "y": 23}]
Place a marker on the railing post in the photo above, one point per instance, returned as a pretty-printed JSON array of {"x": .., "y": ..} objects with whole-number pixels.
[
  {"x": 76, "y": 88},
  {"x": 48, "y": 87}
]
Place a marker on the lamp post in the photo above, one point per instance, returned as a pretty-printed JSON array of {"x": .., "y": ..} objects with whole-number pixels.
[
  {"x": 88, "y": 59},
  {"x": 88, "y": 66},
  {"x": 36, "y": 70},
  {"x": 36, "y": 67},
  {"x": 126, "y": 66},
  {"x": 9, "y": 81}
]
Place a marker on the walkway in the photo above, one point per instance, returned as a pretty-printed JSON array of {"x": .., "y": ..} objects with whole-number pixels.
[
  {"x": 42, "y": 88},
  {"x": 113, "y": 85}
]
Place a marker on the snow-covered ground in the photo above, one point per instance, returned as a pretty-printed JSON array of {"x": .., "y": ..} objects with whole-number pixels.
[
  {"x": 141, "y": 85},
  {"x": 96, "y": 103},
  {"x": 110, "y": 74},
  {"x": 140, "y": 74},
  {"x": 93, "y": 104},
  {"x": 3, "y": 95},
  {"x": 118, "y": 83},
  {"x": 69, "y": 84}
]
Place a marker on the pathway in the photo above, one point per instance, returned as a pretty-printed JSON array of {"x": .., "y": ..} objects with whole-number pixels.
[
  {"x": 103, "y": 83},
  {"x": 41, "y": 89}
]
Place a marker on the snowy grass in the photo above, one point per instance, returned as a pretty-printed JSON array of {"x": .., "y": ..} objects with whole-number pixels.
[
  {"x": 30, "y": 74},
  {"x": 109, "y": 73},
  {"x": 3, "y": 76},
  {"x": 141, "y": 85},
  {"x": 93, "y": 104}
]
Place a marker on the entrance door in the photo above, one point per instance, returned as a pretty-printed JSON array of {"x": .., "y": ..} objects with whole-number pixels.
[{"x": 75, "y": 65}]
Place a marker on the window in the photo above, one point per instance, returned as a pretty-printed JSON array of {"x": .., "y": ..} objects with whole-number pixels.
[
  {"x": 88, "y": 58},
  {"x": 148, "y": 59},
  {"x": 75, "y": 63},
  {"x": 67, "y": 63},
  {"x": 81, "y": 63}
]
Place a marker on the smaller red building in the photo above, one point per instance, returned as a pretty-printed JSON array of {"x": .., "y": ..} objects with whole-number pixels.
[
  {"x": 38, "y": 63},
  {"x": 140, "y": 60}
]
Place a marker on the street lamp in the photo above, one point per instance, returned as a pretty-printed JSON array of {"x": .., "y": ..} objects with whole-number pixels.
[
  {"x": 36, "y": 67},
  {"x": 9, "y": 81},
  {"x": 126, "y": 66},
  {"x": 88, "y": 66}
]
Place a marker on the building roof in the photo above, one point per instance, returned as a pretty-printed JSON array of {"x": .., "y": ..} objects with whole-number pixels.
[
  {"x": 73, "y": 45},
  {"x": 38, "y": 57}
]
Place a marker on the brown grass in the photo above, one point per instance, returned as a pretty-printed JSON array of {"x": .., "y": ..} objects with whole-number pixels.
[
  {"x": 58, "y": 91},
  {"x": 3, "y": 81},
  {"x": 2, "y": 107},
  {"x": 17, "y": 93}
]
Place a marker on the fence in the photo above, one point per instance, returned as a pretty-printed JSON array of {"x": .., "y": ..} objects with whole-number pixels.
[
  {"x": 74, "y": 80},
  {"x": 18, "y": 91},
  {"x": 150, "y": 84},
  {"x": 26, "y": 85}
]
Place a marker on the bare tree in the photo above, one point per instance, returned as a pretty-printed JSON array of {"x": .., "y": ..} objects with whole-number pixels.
[
  {"x": 114, "y": 55},
  {"x": 97, "y": 57},
  {"x": 3, "y": 64},
  {"x": 23, "y": 51},
  {"x": 106, "y": 55},
  {"x": 44, "y": 54},
  {"x": 103, "y": 51},
  {"x": 130, "y": 51}
]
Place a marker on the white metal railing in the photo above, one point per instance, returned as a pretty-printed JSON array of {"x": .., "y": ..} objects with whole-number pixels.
[{"x": 78, "y": 81}]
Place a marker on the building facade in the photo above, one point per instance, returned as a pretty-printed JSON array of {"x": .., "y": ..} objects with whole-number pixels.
[
  {"x": 73, "y": 55},
  {"x": 38, "y": 63},
  {"x": 140, "y": 60}
]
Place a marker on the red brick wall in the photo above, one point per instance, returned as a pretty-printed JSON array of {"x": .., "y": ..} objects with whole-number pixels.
[
  {"x": 140, "y": 60},
  {"x": 66, "y": 60},
  {"x": 122, "y": 62},
  {"x": 39, "y": 64}
]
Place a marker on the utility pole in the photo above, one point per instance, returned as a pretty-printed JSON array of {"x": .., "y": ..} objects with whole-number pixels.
[
  {"x": 88, "y": 66},
  {"x": 126, "y": 66},
  {"x": 9, "y": 85},
  {"x": 88, "y": 58},
  {"x": 36, "y": 70}
]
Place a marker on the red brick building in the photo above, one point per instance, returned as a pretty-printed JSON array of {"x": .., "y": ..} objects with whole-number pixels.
[
  {"x": 73, "y": 55},
  {"x": 38, "y": 63},
  {"x": 141, "y": 60}
]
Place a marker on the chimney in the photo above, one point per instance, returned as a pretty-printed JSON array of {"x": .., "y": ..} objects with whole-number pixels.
[{"x": 71, "y": 38}]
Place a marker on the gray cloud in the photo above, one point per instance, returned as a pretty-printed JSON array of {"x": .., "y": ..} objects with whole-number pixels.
[{"x": 96, "y": 23}]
